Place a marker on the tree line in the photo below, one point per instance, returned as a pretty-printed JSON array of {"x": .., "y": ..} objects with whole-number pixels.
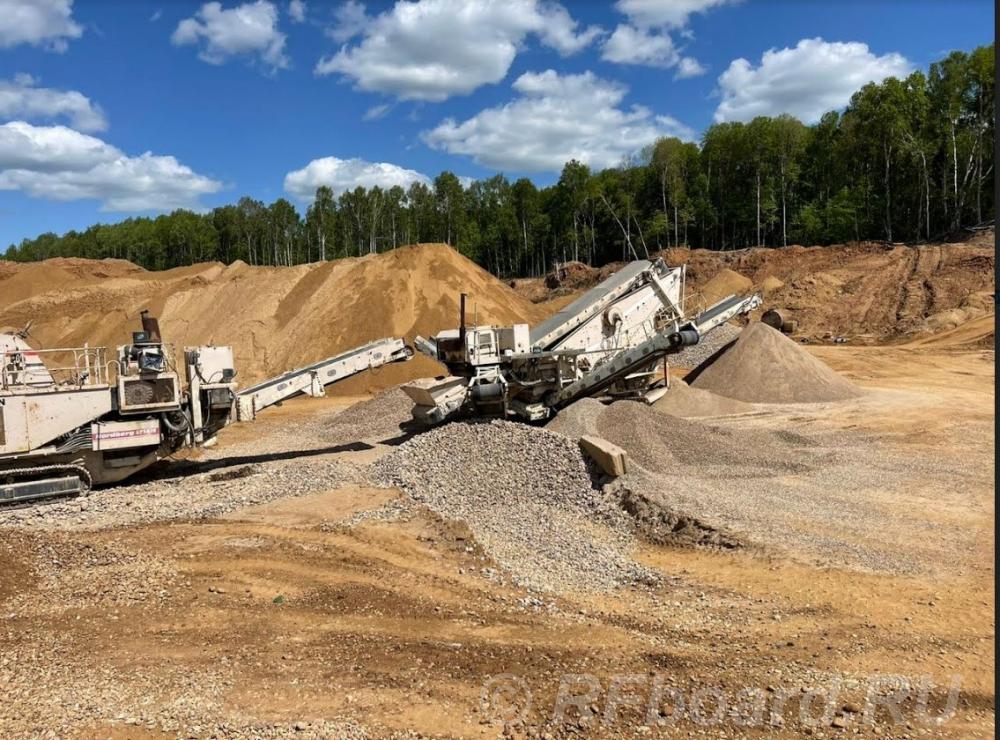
[{"x": 906, "y": 160}]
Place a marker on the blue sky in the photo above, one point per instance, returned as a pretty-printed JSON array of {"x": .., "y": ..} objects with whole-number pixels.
[{"x": 270, "y": 99}]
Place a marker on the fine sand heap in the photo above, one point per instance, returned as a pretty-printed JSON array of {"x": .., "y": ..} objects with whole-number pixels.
[
  {"x": 725, "y": 283},
  {"x": 765, "y": 366},
  {"x": 275, "y": 318},
  {"x": 686, "y": 402}
]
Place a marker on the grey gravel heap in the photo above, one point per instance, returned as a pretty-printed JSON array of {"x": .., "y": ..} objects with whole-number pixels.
[
  {"x": 530, "y": 498},
  {"x": 201, "y": 496},
  {"x": 708, "y": 346}
]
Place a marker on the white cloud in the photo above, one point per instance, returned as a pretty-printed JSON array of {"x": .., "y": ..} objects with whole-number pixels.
[
  {"x": 251, "y": 28},
  {"x": 297, "y": 11},
  {"x": 376, "y": 112},
  {"x": 689, "y": 67},
  {"x": 433, "y": 49},
  {"x": 806, "y": 81},
  {"x": 59, "y": 163},
  {"x": 555, "y": 119},
  {"x": 631, "y": 45},
  {"x": 646, "y": 38},
  {"x": 665, "y": 13},
  {"x": 346, "y": 174},
  {"x": 20, "y": 98},
  {"x": 46, "y": 23},
  {"x": 351, "y": 20},
  {"x": 157, "y": 14},
  {"x": 559, "y": 31}
]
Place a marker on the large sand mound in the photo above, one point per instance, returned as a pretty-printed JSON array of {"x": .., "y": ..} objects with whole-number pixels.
[
  {"x": 765, "y": 366},
  {"x": 275, "y": 318}
]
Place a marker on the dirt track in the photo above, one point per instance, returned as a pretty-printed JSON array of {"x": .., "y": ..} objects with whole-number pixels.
[{"x": 398, "y": 625}]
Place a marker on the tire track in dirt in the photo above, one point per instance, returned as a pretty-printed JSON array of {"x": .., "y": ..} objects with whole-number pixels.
[{"x": 917, "y": 292}]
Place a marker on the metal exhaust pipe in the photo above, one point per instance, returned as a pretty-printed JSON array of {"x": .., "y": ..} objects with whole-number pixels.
[
  {"x": 151, "y": 326},
  {"x": 461, "y": 319}
]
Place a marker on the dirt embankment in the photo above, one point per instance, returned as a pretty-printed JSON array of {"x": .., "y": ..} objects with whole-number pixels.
[
  {"x": 275, "y": 318},
  {"x": 867, "y": 292}
]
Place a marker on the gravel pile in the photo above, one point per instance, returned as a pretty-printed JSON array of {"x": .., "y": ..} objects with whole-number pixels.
[
  {"x": 188, "y": 497},
  {"x": 708, "y": 346},
  {"x": 687, "y": 402},
  {"x": 774, "y": 480},
  {"x": 380, "y": 418},
  {"x": 665, "y": 444},
  {"x": 765, "y": 366},
  {"x": 530, "y": 498}
]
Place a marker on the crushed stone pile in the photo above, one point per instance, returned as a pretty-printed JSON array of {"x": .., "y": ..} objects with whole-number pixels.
[
  {"x": 736, "y": 482},
  {"x": 716, "y": 340},
  {"x": 529, "y": 497},
  {"x": 664, "y": 444},
  {"x": 184, "y": 497},
  {"x": 765, "y": 366},
  {"x": 385, "y": 416},
  {"x": 686, "y": 402}
]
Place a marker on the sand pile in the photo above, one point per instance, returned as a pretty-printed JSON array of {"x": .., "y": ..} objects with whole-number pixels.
[
  {"x": 771, "y": 285},
  {"x": 276, "y": 318},
  {"x": 765, "y": 366},
  {"x": 725, "y": 283},
  {"x": 684, "y": 401}
]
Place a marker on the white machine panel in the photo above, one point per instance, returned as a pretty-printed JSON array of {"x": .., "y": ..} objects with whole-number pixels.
[
  {"x": 33, "y": 419},
  {"x": 212, "y": 362}
]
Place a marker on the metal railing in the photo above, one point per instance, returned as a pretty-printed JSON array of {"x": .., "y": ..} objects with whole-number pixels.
[{"x": 74, "y": 367}]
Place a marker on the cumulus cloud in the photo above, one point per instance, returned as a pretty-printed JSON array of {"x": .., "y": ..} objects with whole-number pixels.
[
  {"x": 248, "y": 29},
  {"x": 351, "y": 19},
  {"x": 297, "y": 11},
  {"x": 806, "y": 81},
  {"x": 21, "y": 98},
  {"x": 689, "y": 67},
  {"x": 646, "y": 38},
  {"x": 59, "y": 163},
  {"x": 555, "y": 119},
  {"x": 665, "y": 13},
  {"x": 45, "y": 23},
  {"x": 631, "y": 45},
  {"x": 433, "y": 49},
  {"x": 346, "y": 174}
]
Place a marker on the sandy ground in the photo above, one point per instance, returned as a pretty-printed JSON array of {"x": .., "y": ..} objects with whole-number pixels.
[{"x": 281, "y": 619}]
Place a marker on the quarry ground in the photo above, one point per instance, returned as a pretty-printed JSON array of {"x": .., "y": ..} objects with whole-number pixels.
[
  {"x": 303, "y": 617},
  {"x": 267, "y": 588}
]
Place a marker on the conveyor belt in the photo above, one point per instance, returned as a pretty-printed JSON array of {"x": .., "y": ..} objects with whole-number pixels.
[
  {"x": 643, "y": 355},
  {"x": 584, "y": 307},
  {"x": 311, "y": 379}
]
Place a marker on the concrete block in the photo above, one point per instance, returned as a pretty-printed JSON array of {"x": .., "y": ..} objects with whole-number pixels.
[{"x": 611, "y": 458}]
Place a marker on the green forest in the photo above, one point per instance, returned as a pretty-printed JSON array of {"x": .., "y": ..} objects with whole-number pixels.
[{"x": 907, "y": 160}]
